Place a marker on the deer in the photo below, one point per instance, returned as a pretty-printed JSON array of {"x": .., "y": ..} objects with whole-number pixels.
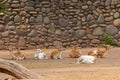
[
  {"x": 101, "y": 53},
  {"x": 16, "y": 54},
  {"x": 92, "y": 53},
  {"x": 57, "y": 53},
  {"x": 75, "y": 53},
  {"x": 86, "y": 59},
  {"x": 40, "y": 54}
]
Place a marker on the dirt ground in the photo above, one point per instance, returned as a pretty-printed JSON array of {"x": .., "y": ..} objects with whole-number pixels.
[{"x": 107, "y": 68}]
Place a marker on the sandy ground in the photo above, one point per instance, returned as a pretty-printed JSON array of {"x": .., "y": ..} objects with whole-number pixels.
[{"x": 107, "y": 68}]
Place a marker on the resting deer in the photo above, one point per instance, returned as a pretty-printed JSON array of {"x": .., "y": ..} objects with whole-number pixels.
[
  {"x": 101, "y": 53},
  {"x": 40, "y": 54},
  {"x": 86, "y": 59},
  {"x": 57, "y": 54},
  {"x": 90, "y": 58},
  {"x": 92, "y": 53},
  {"x": 16, "y": 55},
  {"x": 75, "y": 53}
]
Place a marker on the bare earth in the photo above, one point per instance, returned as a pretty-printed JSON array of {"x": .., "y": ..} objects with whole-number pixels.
[{"x": 107, "y": 68}]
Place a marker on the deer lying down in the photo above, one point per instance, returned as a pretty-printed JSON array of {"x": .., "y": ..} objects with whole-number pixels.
[
  {"x": 101, "y": 53},
  {"x": 92, "y": 53},
  {"x": 40, "y": 54},
  {"x": 16, "y": 55},
  {"x": 86, "y": 59},
  {"x": 56, "y": 54},
  {"x": 75, "y": 53}
]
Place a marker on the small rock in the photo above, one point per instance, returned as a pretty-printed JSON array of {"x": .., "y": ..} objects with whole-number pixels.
[
  {"x": 33, "y": 33},
  {"x": 13, "y": 40},
  {"x": 49, "y": 39},
  {"x": 93, "y": 26},
  {"x": 65, "y": 33},
  {"x": 11, "y": 23},
  {"x": 91, "y": 36},
  {"x": 58, "y": 32},
  {"x": 2, "y": 28},
  {"x": 21, "y": 32},
  {"x": 116, "y": 14},
  {"x": 89, "y": 2},
  {"x": 109, "y": 18},
  {"x": 85, "y": 7},
  {"x": 32, "y": 20},
  {"x": 95, "y": 41},
  {"x": 29, "y": 8},
  {"x": 63, "y": 22},
  {"x": 22, "y": 4},
  {"x": 52, "y": 28},
  {"x": 90, "y": 17},
  {"x": 115, "y": 2},
  {"x": 108, "y": 2},
  {"x": 75, "y": 1},
  {"x": 5, "y": 34},
  {"x": 80, "y": 33},
  {"x": 39, "y": 18},
  {"x": 116, "y": 22},
  {"x": 17, "y": 19},
  {"x": 10, "y": 28},
  {"x": 6, "y": 18},
  {"x": 101, "y": 19},
  {"x": 46, "y": 20},
  {"x": 23, "y": 13},
  {"x": 111, "y": 29},
  {"x": 15, "y": 5},
  {"x": 35, "y": 39},
  {"x": 98, "y": 31},
  {"x": 61, "y": 3},
  {"x": 88, "y": 31},
  {"x": 30, "y": 3}
]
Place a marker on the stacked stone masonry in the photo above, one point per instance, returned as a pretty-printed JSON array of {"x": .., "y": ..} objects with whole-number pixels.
[{"x": 55, "y": 23}]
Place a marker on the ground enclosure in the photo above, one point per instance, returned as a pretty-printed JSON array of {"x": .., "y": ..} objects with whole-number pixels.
[{"x": 105, "y": 68}]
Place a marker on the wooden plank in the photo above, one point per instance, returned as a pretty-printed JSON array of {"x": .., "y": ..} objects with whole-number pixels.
[{"x": 17, "y": 70}]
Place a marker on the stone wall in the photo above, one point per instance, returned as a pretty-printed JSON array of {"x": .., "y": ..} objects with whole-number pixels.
[{"x": 52, "y": 23}]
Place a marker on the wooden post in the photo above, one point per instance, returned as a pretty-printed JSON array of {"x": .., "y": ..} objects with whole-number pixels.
[{"x": 17, "y": 70}]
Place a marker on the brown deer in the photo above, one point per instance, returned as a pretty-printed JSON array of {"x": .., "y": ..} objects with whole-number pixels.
[
  {"x": 75, "y": 53},
  {"x": 101, "y": 53},
  {"x": 92, "y": 53},
  {"x": 57, "y": 53}
]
